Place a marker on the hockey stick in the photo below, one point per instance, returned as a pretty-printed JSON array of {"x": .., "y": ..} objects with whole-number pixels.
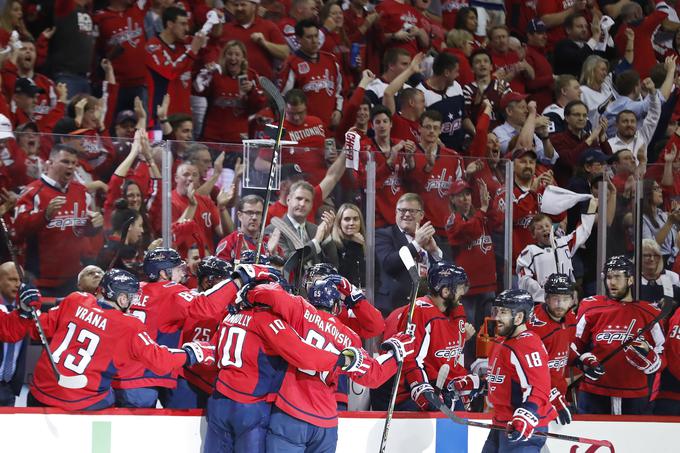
[
  {"x": 667, "y": 308},
  {"x": 273, "y": 92},
  {"x": 464, "y": 421},
  {"x": 69, "y": 382},
  {"x": 407, "y": 259}
]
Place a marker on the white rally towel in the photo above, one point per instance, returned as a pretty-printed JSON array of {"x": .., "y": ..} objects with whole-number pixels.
[{"x": 556, "y": 200}]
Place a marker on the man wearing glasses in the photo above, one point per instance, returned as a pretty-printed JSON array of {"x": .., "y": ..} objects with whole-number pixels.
[
  {"x": 395, "y": 283},
  {"x": 249, "y": 214}
]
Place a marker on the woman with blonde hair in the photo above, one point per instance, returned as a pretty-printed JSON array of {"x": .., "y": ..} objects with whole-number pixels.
[
  {"x": 233, "y": 94},
  {"x": 460, "y": 43},
  {"x": 596, "y": 86},
  {"x": 348, "y": 234}
]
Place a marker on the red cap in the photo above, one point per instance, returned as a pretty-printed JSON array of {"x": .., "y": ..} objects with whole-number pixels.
[
  {"x": 521, "y": 152},
  {"x": 458, "y": 186},
  {"x": 511, "y": 96}
]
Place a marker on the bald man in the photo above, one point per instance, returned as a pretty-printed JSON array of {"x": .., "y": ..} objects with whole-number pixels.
[
  {"x": 89, "y": 278},
  {"x": 12, "y": 355},
  {"x": 209, "y": 217}
]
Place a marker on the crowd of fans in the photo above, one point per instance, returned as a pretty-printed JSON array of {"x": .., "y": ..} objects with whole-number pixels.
[{"x": 438, "y": 96}]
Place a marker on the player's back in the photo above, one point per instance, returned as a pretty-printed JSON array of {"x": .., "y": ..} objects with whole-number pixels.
[
  {"x": 249, "y": 370},
  {"x": 518, "y": 372},
  {"x": 306, "y": 394},
  {"x": 201, "y": 375},
  {"x": 88, "y": 339},
  {"x": 162, "y": 308}
]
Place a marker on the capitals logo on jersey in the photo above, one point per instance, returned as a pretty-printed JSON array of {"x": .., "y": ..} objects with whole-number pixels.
[
  {"x": 453, "y": 123},
  {"x": 318, "y": 84},
  {"x": 442, "y": 184},
  {"x": 559, "y": 362},
  {"x": 393, "y": 181},
  {"x": 484, "y": 242},
  {"x": 495, "y": 376},
  {"x": 69, "y": 219},
  {"x": 130, "y": 34},
  {"x": 616, "y": 333}
]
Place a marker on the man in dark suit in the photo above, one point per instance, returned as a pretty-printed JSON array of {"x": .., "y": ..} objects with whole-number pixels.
[
  {"x": 395, "y": 283},
  {"x": 12, "y": 355},
  {"x": 297, "y": 232}
]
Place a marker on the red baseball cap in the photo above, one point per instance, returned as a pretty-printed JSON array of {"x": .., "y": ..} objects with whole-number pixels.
[
  {"x": 511, "y": 96},
  {"x": 459, "y": 186}
]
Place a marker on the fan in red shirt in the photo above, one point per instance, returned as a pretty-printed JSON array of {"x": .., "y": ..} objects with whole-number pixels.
[
  {"x": 263, "y": 40},
  {"x": 94, "y": 338},
  {"x": 299, "y": 10},
  {"x": 52, "y": 219},
  {"x": 169, "y": 61},
  {"x": 207, "y": 216},
  {"x": 122, "y": 41},
  {"x": 514, "y": 70},
  {"x": 555, "y": 322},
  {"x": 402, "y": 25},
  {"x": 435, "y": 168},
  {"x": 390, "y": 165},
  {"x": 644, "y": 27},
  {"x": 233, "y": 94},
  {"x": 316, "y": 73},
  {"x": 309, "y": 133},
  {"x": 334, "y": 40}
]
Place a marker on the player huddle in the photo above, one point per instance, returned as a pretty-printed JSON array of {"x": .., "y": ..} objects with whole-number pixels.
[{"x": 272, "y": 368}]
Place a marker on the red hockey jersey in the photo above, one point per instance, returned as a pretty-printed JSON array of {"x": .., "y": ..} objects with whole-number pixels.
[
  {"x": 163, "y": 308},
  {"x": 169, "y": 71},
  {"x": 95, "y": 341},
  {"x": 254, "y": 349},
  {"x": 473, "y": 250},
  {"x": 669, "y": 386},
  {"x": 309, "y": 151},
  {"x": 320, "y": 79},
  {"x": 389, "y": 185},
  {"x": 603, "y": 325},
  {"x": 54, "y": 247},
  {"x": 306, "y": 394},
  {"x": 206, "y": 215},
  {"x": 557, "y": 337},
  {"x": 518, "y": 374},
  {"x": 433, "y": 186},
  {"x": 439, "y": 340},
  {"x": 122, "y": 40}
]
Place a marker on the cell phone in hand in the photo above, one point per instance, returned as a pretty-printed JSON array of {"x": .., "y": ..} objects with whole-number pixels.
[{"x": 242, "y": 79}]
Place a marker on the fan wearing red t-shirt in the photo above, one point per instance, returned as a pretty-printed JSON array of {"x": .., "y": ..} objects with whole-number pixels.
[
  {"x": 264, "y": 41},
  {"x": 316, "y": 73},
  {"x": 121, "y": 40},
  {"x": 402, "y": 25},
  {"x": 169, "y": 61},
  {"x": 514, "y": 70},
  {"x": 206, "y": 215},
  {"x": 309, "y": 133}
]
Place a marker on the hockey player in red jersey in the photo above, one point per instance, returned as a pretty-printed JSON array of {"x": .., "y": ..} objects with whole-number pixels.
[
  {"x": 603, "y": 324},
  {"x": 93, "y": 338},
  {"x": 440, "y": 333},
  {"x": 163, "y": 307},
  {"x": 518, "y": 378},
  {"x": 256, "y": 349},
  {"x": 195, "y": 384},
  {"x": 357, "y": 312},
  {"x": 668, "y": 399},
  {"x": 305, "y": 416},
  {"x": 555, "y": 323}
]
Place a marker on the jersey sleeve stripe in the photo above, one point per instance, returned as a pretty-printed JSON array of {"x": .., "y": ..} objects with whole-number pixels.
[{"x": 523, "y": 381}]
